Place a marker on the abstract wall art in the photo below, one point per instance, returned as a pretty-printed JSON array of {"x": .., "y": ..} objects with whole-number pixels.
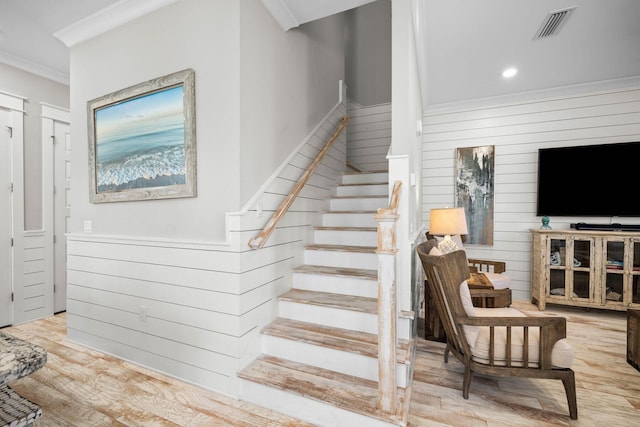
[{"x": 474, "y": 191}]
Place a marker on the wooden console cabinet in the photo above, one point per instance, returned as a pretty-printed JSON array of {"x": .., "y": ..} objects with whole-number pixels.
[{"x": 584, "y": 268}]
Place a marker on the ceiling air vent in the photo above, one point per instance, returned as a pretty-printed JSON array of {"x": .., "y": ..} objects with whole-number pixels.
[{"x": 553, "y": 22}]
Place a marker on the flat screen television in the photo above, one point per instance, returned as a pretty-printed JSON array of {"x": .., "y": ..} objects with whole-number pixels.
[{"x": 589, "y": 180}]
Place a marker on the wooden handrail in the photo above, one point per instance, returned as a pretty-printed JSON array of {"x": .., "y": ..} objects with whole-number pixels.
[
  {"x": 395, "y": 196},
  {"x": 259, "y": 241},
  {"x": 350, "y": 166},
  {"x": 387, "y": 310}
]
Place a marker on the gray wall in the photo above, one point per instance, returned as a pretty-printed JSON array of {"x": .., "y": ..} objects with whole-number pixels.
[
  {"x": 197, "y": 34},
  {"x": 259, "y": 91},
  {"x": 289, "y": 82},
  {"x": 36, "y": 90},
  {"x": 368, "y": 44}
]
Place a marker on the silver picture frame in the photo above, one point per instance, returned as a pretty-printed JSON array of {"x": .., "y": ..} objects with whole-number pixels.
[{"x": 142, "y": 141}]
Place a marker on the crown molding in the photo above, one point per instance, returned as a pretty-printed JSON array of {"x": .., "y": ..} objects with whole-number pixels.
[
  {"x": 34, "y": 68},
  {"x": 281, "y": 13},
  {"x": 536, "y": 95},
  {"x": 107, "y": 19}
]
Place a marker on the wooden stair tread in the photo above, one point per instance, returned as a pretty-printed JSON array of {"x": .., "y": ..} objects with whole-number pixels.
[
  {"x": 337, "y": 271},
  {"x": 341, "y": 248},
  {"x": 326, "y": 299},
  {"x": 335, "y": 338},
  {"x": 343, "y": 391}
]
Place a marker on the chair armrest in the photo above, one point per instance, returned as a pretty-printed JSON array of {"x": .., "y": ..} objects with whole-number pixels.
[
  {"x": 532, "y": 321},
  {"x": 552, "y": 329},
  {"x": 480, "y": 265}
]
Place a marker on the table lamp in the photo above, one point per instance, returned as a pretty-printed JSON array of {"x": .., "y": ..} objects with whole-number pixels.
[{"x": 445, "y": 222}]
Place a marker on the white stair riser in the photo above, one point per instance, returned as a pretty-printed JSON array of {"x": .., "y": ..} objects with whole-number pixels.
[
  {"x": 363, "y": 190},
  {"x": 338, "y": 318},
  {"x": 358, "y": 204},
  {"x": 336, "y": 284},
  {"x": 309, "y": 410},
  {"x": 344, "y": 362},
  {"x": 329, "y": 316},
  {"x": 341, "y": 259},
  {"x": 368, "y": 178},
  {"x": 346, "y": 237},
  {"x": 365, "y": 219},
  {"x": 403, "y": 328}
]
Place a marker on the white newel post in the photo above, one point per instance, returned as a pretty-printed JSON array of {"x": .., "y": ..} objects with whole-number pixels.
[{"x": 386, "y": 251}]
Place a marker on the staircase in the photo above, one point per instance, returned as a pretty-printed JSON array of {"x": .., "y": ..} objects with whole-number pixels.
[{"x": 319, "y": 358}]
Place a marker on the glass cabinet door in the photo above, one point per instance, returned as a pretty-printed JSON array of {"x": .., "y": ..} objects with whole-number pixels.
[
  {"x": 557, "y": 271},
  {"x": 634, "y": 257},
  {"x": 570, "y": 275},
  {"x": 614, "y": 250},
  {"x": 581, "y": 269}
]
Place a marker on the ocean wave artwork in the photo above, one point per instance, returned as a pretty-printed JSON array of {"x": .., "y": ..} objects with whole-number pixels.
[{"x": 140, "y": 142}]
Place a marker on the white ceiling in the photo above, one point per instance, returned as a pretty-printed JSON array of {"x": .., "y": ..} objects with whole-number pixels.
[
  {"x": 26, "y": 33},
  {"x": 465, "y": 43},
  {"x": 469, "y": 43}
]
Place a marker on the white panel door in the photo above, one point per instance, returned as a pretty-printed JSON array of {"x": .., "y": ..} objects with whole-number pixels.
[
  {"x": 61, "y": 211},
  {"x": 6, "y": 221}
]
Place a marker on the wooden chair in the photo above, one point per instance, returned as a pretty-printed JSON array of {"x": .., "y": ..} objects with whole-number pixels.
[
  {"x": 495, "y": 341},
  {"x": 499, "y": 297}
]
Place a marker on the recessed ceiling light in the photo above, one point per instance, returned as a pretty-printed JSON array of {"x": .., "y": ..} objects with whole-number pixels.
[{"x": 509, "y": 72}]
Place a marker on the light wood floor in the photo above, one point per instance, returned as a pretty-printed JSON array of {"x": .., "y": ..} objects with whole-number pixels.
[{"x": 81, "y": 387}]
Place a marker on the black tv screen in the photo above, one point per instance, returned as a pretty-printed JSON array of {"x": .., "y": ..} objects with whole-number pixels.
[{"x": 589, "y": 180}]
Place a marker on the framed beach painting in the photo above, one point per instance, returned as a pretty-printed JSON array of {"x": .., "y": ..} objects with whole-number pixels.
[
  {"x": 142, "y": 141},
  {"x": 475, "y": 174}
]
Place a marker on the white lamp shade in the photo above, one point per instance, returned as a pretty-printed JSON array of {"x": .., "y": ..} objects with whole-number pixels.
[{"x": 447, "y": 221}]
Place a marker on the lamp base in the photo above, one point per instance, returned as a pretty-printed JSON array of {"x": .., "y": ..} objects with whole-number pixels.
[{"x": 447, "y": 245}]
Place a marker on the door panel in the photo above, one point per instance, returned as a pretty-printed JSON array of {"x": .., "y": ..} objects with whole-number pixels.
[
  {"x": 6, "y": 226},
  {"x": 61, "y": 211}
]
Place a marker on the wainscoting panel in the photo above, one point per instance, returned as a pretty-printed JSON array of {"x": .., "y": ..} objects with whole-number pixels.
[
  {"x": 369, "y": 136},
  {"x": 147, "y": 351},
  {"x": 517, "y": 131},
  {"x": 178, "y": 310},
  {"x": 253, "y": 223}
]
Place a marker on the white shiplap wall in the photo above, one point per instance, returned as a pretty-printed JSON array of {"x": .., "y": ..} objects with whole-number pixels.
[
  {"x": 194, "y": 310},
  {"x": 369, "y": 136},
  {"x": 517, "y": 131}
]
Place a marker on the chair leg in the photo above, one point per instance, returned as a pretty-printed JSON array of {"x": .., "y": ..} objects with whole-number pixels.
[
  {"x": 446, "y": 354},
  {"x": 466, "y": 384},
  {"x": 569, "y": 382}
]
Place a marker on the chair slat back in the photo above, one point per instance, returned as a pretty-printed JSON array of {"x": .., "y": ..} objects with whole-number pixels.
[{"x": 444, "y": 275}]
